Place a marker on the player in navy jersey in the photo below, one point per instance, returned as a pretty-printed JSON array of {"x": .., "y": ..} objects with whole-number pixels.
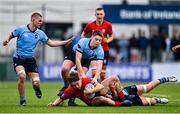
[
  {"x": 82, "y": 53},
  {"x": 28, "y": 36},
  {"x": 135, "y": 92}
]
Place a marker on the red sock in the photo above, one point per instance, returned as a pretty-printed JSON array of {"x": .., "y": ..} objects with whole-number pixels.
[
  {"x": 117, "y": 103},
  {"x": 121, "y": 95}
]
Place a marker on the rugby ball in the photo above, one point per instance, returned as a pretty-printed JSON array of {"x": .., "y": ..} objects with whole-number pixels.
[{"x": 87, "y": 87}]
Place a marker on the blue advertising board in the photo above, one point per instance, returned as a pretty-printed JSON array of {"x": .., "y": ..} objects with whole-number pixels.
[
  {"x": 125, "y": 72},
  {"x": 143, "y": 14}
]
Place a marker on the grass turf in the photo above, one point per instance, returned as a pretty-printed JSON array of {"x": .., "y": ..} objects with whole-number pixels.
[{"x": 9, "y": 101}]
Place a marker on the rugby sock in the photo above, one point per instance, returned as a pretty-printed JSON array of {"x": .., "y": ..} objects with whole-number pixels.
[
  {"x": 22, "y": 98},
  {"x": 66, "y": 84},
  {"x": 121, "y": 95},
  {"x": 117, "y": 103},
  {"x": 158, "y": 100},
  {"x": 163, "y": 80}
]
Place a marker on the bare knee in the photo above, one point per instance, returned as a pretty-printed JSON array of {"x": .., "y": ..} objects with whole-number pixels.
[{"x": 36, "y": 81}]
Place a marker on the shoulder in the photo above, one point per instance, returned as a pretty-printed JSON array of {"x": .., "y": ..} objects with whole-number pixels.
[
  {"x": 107, "y": 23},
  {"x": 91, "y": 23},
  {"x": 86, "y": 80},
  {"x": 84, "y": 40},
  {"x": 21, "y": 27},
  {"x": 69, "y": 90},
  {"x": 40, "y": 31}
]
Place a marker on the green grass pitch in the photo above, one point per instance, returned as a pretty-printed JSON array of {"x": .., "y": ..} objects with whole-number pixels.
[{"x": 9, "y": 101}]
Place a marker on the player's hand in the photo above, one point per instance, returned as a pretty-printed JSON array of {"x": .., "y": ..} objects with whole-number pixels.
[
  {"x": 94, "y": 81},
  {"x": 105, "y": 40},
  {"x": 69, "y": 40},
  {"x": 5, "y": 42},
  {"x": 50, "y": 104},
  {"x": 175, "y": 48}
]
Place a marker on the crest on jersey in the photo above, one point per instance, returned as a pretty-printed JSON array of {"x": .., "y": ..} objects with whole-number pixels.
[{"x": 103, "y": 30}]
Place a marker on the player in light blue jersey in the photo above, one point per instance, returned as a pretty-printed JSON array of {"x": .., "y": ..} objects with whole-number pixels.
[
  {"x": 28, "y": 36},
  {"x": 85, "y": 51}
]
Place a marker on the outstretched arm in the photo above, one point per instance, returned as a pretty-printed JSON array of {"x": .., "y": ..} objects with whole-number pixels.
[
  {"x": 176, "y": 48},
  {"x": 78, "y": 63},
  {"x": 56, "y": 102},
  {"x": 7, "y": 39},
  {"x": 98, "y": 70},
  {"x": 56, "y": 43}
]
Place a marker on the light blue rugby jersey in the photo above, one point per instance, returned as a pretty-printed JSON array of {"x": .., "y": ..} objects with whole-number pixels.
[
  {"x": 27, "y": 40},
  {"x": 83, "y": 46}
]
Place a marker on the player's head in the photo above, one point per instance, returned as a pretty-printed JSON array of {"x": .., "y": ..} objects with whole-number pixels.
[
  {"x": 36, "y": 19},
  {"x": 96, "y": 38},
  {"x": 99, "y": 13},
  {"x": 74, "y": 80}
]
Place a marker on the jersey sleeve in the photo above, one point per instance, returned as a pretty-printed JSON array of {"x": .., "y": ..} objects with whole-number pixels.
[
  {"x": 16, "y": 32},
  {"x": 68, "y": 93},
  {"x": 87, "y": 29},
  {"x": 100, "y": 54},
  {"x": 44, "y": 37},
  {"x": 110, "y": 31},
  {"x": 80, "y": 46}
]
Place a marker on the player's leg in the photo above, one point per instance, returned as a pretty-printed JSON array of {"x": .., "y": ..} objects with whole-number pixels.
[
  {"x": 20, "y": 71},
  {"x": 113, "y": 85},
  {"x": 93, "y": 65},
  {"x": 33, "y": 73},
  {"x": 35, "y": 83},
  {"x": 104, "y": 101},
  {"x": 66, "y": 67},
  {"x": 105, "y": 62},
  {"x": 103, "y": 72},
  {"x": 151, "y": 85},
  {"x": 21, "y": 83},
  {"x": 152, "y": 101}
]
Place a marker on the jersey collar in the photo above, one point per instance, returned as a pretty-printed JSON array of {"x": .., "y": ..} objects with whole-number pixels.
[
  {"x": 30, "y": 29},
  {"x": 90, "y": 46}
]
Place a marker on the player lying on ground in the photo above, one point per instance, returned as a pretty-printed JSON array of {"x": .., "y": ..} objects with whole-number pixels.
[
  {"x": 135, "y": 92},
  {"x": 77, "y": 89}
]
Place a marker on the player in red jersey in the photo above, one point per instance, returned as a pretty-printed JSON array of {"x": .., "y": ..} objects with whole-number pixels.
[
  {"x": 106, "y": 28},
  {"x": 77, "y": 89}
]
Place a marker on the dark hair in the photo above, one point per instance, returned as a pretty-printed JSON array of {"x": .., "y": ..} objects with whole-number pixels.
[
  {"x": 73, "y": 77},
  {"x": 97, "y": 32},
  {"x": 35, "y": 14},
  {"x": 99, "y": 9}
]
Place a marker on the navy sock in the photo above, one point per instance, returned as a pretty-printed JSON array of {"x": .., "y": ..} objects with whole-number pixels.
[
  {"x": 157, "y": 100},
  {"x": 66, "y": 84},
  {"x": 22, "y": 98},
  {"x": 163, "y": 80}
]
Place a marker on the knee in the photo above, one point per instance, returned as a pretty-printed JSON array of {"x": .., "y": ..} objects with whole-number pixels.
[
  {"x": 65, "y": 70},
  {"x": 36, "y": 81},
  {"x": 22, "y": 78}
]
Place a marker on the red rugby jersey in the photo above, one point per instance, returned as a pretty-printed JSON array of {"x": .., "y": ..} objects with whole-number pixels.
[
  {"x": 105, "y": 27},
  {"x": 70, "y": 92}
]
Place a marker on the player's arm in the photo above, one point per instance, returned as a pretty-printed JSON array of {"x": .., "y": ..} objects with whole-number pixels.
[
  {"x": 176, "y": 48},
  {"x": 83, "y": 34},
  {"x": 56, "y": 102},
  {"x": 56, "y": 43},
  {"x": 7, "y": 39},
  {"x": 98, "y": 70},
  {"x": 110, "y": 39},
  {"x": 97, "y": 88},
  {"x": 78, "y": 63}
]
